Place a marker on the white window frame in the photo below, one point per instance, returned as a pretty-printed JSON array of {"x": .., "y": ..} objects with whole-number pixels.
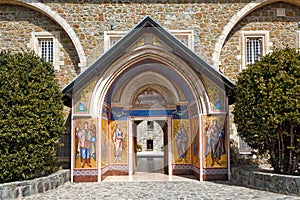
[
  {"x": 185, "y": 36},
  {"x": 46, "y": 45},
  {"x": 264, "y": 35},
  {"x": 298, "y": 40},
  {"x": 35, "y": 45}
]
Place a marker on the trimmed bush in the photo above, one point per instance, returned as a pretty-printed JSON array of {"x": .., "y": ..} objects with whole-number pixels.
[
  {"x": 31, "y": 119},
  {"x": 267, "y": 109}
]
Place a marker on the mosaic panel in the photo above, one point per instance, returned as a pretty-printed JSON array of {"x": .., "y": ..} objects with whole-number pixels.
[
  {"x": 216, "y": 95},
  {"x": 181, "y": 142},
  {"x": 214, "y": 139},
  {"x": 85, "y": 143}
]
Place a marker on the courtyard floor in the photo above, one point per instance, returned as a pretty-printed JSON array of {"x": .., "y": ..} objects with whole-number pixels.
[{"x": 155, "y": 186}]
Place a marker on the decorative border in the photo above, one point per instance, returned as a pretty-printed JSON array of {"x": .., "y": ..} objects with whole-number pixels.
[
  {"x": 118, "y": 167},
  {"x": 184, "y": 167},
  {"x": 85, "y": 172},
  {"x": 215, "y": 171}
]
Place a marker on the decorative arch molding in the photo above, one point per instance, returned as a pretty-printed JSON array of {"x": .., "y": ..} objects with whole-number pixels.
[
  {"x": 157, "y": 54},
  {"x": 156, "y": 81},
  {"x": 46, "y": 10},
  {"x": 250, "y": 7}
]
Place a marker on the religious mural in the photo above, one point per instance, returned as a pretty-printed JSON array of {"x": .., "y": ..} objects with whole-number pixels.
[
  {"x": 181, "y": 142},
  {"x": 149, "y": 98},
  {"x": 85, "y": 143},
  {"x": 180, "y": 112},
  {"x": 216, "y": 95},
  {"x": 82, "y": 98},
  {"x": 104, "y": 142},
  {"x": 195, "y": 141},
  {"x": 119, "y": 142},
  {"x": 214, "y": 135}
]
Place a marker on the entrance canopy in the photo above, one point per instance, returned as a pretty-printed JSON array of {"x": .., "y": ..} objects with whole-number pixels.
[
  {"x": 149, "y": 97},
  {"x": 170, "y": 41}
]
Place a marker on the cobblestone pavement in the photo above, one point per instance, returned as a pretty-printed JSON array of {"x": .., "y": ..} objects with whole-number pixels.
[{"x": 181, "y": 190}]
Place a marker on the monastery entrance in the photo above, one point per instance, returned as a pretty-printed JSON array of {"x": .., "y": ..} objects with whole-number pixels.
[
  {"x": 149, "y": 104},
  {"x": 150, "y": 145}
]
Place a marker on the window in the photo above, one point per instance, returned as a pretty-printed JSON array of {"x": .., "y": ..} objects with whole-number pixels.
[
  {"x": 46, "y": 45},
  {"x": 254, "y": 45},
  {"x": 244, "y": 147},
  {"x": 185, "y": 36},
  {"x": 46, "y": 49},
  {"x": 298, "y": 40},
  {"x": 253, "y": 49}
]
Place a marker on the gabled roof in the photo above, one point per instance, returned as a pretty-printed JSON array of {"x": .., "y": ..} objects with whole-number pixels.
[{"x": 178, "y": 48}]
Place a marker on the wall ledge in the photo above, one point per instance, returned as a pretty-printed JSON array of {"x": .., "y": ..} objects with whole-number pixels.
[
  {"x": 267, "y": 181},
  {"x": 19, "y": 189}
]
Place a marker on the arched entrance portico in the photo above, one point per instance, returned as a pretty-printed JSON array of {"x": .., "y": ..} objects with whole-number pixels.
[
  {"x": 152, "y": 89},
  {"x": 149, "y": 76}
]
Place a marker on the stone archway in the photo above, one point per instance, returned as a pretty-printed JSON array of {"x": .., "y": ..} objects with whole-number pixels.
[
  {"x": 46, "y": 10},
  {"x": 147, "y": 74},
  {"x": 250, "y": 7}
]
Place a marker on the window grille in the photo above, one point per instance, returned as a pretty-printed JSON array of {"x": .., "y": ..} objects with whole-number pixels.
[
  {"x": 253, "y": 49},
  {"x": 46, "y": 49}
]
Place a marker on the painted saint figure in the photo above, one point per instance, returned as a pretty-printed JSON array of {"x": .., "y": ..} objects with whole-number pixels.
[
  {"x": 118, "y": 140},
  {"x": 104, "y": 143},
  {"x": 215, "y": 142},
  {"x": 181, "y": 142},
  {"x": 93, "y": 141},
  {"x": 84, "y": 144}
]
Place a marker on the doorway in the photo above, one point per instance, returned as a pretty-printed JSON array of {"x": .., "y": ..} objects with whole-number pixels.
[{"x": 150, "y": 145}]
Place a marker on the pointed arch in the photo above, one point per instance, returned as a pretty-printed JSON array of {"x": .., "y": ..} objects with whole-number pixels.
[{"x": 160, "y": 55}]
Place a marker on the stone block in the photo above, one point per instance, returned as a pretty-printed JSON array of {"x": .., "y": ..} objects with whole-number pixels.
[
  {"x": 297, "y": 181},
  {"x": 271, "y": 187},
  {"x": 17, "y": 193},
  {"x": 289, "y": 185},
  {"x": 33, "y": 187},
  {"x": 26, "y": 191},
  {"x": 46, "y": 186},
  {"x": 54, "y": 183},
  {"x": 6, "y": 193},
  {"x": 40, "y": 187}
]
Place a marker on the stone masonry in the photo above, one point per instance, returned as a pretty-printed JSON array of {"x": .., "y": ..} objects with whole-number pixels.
[{"x": 88, "y": 20}]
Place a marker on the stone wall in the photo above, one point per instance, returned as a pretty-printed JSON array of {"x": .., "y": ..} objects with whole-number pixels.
[
  {"x": 282, "y": 32},
  {"x": 277, "y": 183},
  {"x": 17, "y": 190},
  {"x": 16, "y": 28},
  {"x": 155, "y": 134},
  {"x": 209, "y": 19}
]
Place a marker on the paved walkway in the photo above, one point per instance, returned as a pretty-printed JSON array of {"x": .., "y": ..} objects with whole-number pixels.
[{"x": 155, "y": 187}]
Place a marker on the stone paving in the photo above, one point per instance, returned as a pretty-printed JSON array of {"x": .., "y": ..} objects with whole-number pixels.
[{"x": 182, "y": 190}]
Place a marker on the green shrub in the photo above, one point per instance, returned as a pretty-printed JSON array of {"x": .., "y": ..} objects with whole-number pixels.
[
  {"x": 31, "y": 119},
  {"x": 267, "y": 109}
]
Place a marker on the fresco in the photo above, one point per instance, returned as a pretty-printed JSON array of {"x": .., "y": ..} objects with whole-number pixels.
[
  {"x": 105, "y": 111},
  {"x": 85, "y": 143},
  {"x": 195, "y": 141},
  {"x": 118, "y": 113},
  {"x": 214, "y": 137},
  {"x": 181, "y": 142},
  {"x": 104, "y": 142},
  {"x": 149, "y": 98},
  {"x": 216, "y": 95},
  {"x": 119, "y": 142},
  {"x": 82, "y": 98}
]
